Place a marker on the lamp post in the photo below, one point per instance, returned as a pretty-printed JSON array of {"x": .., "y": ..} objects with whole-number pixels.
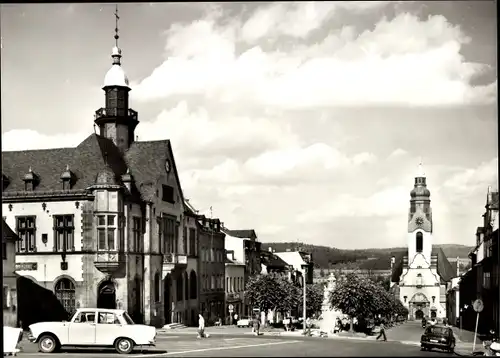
[{"x": 304, "y": 267}]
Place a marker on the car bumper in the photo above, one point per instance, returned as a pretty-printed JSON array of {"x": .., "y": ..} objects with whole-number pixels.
[{"x": 441, "y": 345}]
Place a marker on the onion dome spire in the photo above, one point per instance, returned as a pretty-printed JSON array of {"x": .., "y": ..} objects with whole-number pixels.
[{"x": 116, "y": 76}]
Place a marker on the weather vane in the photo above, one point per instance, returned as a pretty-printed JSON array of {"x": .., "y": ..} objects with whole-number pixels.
[{"x": 116, "y": 26}]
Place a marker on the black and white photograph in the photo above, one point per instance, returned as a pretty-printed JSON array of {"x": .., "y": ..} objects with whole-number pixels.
[{"x": 250, "y": 179}]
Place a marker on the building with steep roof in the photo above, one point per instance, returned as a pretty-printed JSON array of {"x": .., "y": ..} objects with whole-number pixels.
[
  {"x": 101, "y": 224},
  {"x": 421, "y": 277}
]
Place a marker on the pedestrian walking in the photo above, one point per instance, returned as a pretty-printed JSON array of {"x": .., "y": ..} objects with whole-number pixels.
[
  {"x": 201, "y": 326},
  {"x": 308, "y": 326},
  {"x": 382, "y": 332},
  {"x": 256, "y": 326},
  {"x": 235, "y": 318}
]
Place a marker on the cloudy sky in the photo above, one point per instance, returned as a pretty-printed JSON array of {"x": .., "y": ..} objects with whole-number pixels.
[{"x": 304, "y": 121}]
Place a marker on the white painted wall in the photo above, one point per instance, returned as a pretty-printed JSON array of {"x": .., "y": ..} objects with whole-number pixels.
[
  {"x": 412, "y": 248},
  {"x": 44, "y": 220}
]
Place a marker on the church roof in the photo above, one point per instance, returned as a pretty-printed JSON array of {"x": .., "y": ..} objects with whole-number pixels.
[
  {"x": 444, "y": 269},
  {"x": 88, "y": 161}
]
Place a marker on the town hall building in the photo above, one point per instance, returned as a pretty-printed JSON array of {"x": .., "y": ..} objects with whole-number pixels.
[
  {"x": 102, "y": 224},
  {"x": 421, "y": 277}
]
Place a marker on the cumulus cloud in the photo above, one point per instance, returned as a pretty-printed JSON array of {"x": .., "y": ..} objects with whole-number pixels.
[
  {"x": 397, "y": 153},
  {"x": 403, "y": 61},
  {"x": 232, "y": 89},
  {"x": 471, "y": 180}
]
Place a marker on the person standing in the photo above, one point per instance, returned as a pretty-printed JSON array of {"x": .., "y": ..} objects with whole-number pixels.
[
  {"x": 382, "y": 332},
  {"x": 201, "y": 326},
  {"x": 235, "y": 318}
]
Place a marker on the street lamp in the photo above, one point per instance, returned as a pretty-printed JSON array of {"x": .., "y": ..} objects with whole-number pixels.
[{"x": 304, "y": 267}]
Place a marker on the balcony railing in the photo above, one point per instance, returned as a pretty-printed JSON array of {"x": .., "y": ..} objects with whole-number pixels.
[
  {"x": 115, "y": 112},
  {"x": 107, "y": 262},
  {"x": 171, "y": 258}
]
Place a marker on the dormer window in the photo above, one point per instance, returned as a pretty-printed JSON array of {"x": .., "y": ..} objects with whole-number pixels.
[
  {"x": 67, "y": 178},
  {"x": 30, "y": 180}
]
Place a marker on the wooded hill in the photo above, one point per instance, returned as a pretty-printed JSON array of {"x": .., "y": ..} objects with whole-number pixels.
[{"x": 369, "y": 259}]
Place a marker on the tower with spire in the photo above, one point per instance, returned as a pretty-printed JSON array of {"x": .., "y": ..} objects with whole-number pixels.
[
  {"x": 116, "y": 120},
  {"x": 420, "y": 217}
]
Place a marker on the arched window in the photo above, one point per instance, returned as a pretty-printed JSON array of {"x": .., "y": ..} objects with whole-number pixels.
[
  {"x": 157, "y": 285},
  {"x": 193, "y": 284},
  {"x": 65, "y": 293},
  {"x": 186, "y": 286},
  {"x": 179, "y": 288},
  {"x": 420, "y": 242}
]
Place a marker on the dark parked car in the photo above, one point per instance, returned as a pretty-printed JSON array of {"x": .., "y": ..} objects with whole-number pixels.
[{"x": 438, "y": 336}]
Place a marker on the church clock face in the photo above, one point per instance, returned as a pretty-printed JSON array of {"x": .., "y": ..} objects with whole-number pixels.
[{"x": 419, "y": 221}]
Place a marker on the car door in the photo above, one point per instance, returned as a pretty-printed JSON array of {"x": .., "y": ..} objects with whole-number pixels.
[
  {"x": 108, "y": 328},
  {"x": 82, "y": 330}
]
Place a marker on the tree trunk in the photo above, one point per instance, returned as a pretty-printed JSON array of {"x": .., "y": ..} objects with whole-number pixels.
[{"x": 351, "y": 329}]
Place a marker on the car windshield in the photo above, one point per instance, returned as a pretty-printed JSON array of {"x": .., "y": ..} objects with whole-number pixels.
[
  {"x": 438, "y": 330},
  {"x": 128, "y": 319}
]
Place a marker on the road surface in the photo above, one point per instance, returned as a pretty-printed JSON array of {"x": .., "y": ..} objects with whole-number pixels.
[{"x": 239, "y": 346}]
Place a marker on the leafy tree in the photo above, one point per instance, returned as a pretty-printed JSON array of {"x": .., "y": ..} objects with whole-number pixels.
[
  {"x": 314, "y": 298},
  {"x": 322, "y": 272},
  {"x": 272, "y": 292},
  {"x": 354, "y": 296}
]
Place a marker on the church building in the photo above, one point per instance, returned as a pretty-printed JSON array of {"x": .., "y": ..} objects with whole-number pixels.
[
  {"x": 421, "y": 277},
  {"x": 102, "y": 224}
]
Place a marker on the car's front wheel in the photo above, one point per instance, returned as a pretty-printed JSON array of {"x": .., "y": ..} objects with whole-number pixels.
[
  {"x": 47, "y": 344},
  {"x": 124, "y": 345}
]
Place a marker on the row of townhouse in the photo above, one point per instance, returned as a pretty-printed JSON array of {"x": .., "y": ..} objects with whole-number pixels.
[{"x": 481, "y": 281}]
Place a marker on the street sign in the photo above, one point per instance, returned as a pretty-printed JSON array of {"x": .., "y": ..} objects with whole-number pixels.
[
  {"x": 230, "y": 311},
  {"x": 478, "y": 305},
  {"x": 256, "y": 309},
  {"x": 230, "y": 307}
]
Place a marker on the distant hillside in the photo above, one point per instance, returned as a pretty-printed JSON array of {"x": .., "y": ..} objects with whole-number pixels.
[{"x": 369, "y": 259}]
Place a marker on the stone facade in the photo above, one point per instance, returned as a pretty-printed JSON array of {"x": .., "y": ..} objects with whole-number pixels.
[{"x": 9, "y": 278}]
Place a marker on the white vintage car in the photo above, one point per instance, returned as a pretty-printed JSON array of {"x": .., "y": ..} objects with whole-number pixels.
[{"x": 93, "y": 327}]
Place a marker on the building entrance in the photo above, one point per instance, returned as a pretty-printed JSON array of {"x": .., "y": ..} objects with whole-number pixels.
[{"x": 106, "y": 295}]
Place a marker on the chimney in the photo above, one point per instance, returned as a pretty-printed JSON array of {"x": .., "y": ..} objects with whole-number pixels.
[
  {"x": 458, "y": 266},
  {"x": 270, "y": 249},
  {"x": 393, "y": 261}
]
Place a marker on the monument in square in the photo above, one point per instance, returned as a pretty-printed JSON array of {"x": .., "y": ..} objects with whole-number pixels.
[{"x": 329, "y": 315}]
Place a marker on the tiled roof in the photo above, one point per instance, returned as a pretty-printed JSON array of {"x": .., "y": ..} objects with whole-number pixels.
[
  {"x": 7, "y": 233},
  {"x": 146, "y": 160},
  {"x": 242, "y": 234},
  {"x": 94, "y": 155},
  {"x": 271, "y": 260},
  {"x": 91, "y": 156}
]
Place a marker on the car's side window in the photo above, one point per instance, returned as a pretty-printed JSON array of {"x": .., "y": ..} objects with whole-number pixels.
[
  {"x": 85, "y": 317},
  {"x": 108, "y": 318}
]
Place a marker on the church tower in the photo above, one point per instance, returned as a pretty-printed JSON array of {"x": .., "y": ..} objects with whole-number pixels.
[
  {"x": 420, "y": 220},
  {"x": 116, "y": 121}
]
